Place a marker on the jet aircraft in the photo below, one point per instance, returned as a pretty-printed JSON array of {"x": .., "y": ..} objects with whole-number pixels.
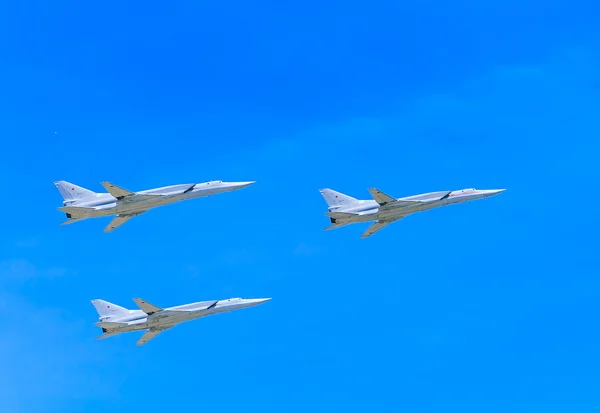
[
  {"x": 384, "y": 209},
  {"x": 80, "y": 203},
  {"x": 115, "y": 319}
]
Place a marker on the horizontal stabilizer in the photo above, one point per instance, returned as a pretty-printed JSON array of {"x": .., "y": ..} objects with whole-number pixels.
[
  {"x": 116, "y": 191},
  {"x": 105, "y": 335},
  {"x": 146, "y": 307},
  {"x": 77, "y": 211},
  {"x": 341, "y": 215},
  {"x": 70, "y": 221},
  {"x": 109, "y": 324},
  {"x": 336, "y": 225},
  {"x": 380, "y": 197}
]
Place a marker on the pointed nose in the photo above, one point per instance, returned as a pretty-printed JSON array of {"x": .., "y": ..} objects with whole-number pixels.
[
  {"x": 492, "y": 192},
  {"x": 257, "y": 301},
  {"x": 240, "y": 185}
]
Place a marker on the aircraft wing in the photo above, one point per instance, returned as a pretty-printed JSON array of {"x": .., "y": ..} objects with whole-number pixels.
[
  {"x": 446, "y": 195},
  {"x": 121, "y": 193},
  {"x": 150, "y": 334},
  {"x": 424, "y": 201},
  {"x": 377, "y": 226},
  {"x": 380, "y": 197},
  {"x": 118, "y": 221},
  {"x": 146, "y": 307},
  {"x": 189, "y": 189}
]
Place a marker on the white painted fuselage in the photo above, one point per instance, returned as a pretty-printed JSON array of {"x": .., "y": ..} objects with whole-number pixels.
[
  {"x": 80, "y": 203},
  {"x": 137, "y": 320},
  {"x": 104, "y": 204},
  {"x": 344, "y": 210},
  {"x": 370, "y": 210},
  {"x": 115, "y": 319}
]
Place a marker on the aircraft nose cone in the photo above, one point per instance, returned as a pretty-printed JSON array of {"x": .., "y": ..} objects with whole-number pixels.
[
  {"x": 240, "y": 185},
  {"x": 493, "y": 192},
  {"x": 258, "y": 301}
]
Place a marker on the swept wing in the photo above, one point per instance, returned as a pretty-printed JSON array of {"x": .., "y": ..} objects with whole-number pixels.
[
  {"x": 377, "y": 226},
  {"x": 123, "y": 194},
  {"x": 150, "y": 334},
  {"x": 120, "y": 220}
]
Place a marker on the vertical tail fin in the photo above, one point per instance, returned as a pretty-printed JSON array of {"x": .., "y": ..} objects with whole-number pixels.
[
  {"x": 109, "y": 310},
  {"x": 336, "y": 199},
  {"x": 71, "y": 192}
]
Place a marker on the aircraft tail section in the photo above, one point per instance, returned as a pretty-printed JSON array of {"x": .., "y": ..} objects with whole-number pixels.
[
  {"x": 109, "y": 310},
  {"x": 71, "y": 192},
  {"x": 336, "y": 199}
]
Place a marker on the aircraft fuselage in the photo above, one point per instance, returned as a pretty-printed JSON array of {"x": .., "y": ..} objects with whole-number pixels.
[
  {"x": 370, "y": 210},
  {"x": 138, "y": 320},
  {"x": 104, "y": 204}
]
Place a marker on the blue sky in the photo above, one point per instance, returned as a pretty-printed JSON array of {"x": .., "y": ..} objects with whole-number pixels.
[{"x": 487, "y": 306}]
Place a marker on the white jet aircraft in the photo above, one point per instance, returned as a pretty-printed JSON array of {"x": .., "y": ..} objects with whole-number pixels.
[
  {"x": 344, "y": 209},
  {"x": 80, "y": 203},
  {"x": 115, "y": 319}
]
